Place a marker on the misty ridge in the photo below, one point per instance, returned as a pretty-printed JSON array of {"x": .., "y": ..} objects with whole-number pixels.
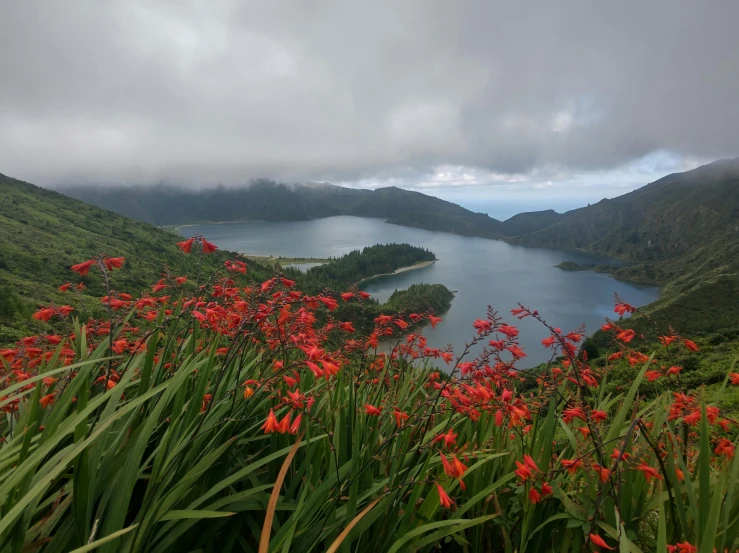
[{"x": 644, "y": 224}]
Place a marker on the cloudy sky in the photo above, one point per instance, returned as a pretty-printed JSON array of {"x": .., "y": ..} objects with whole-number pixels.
[{"x": 465, "y": 99}]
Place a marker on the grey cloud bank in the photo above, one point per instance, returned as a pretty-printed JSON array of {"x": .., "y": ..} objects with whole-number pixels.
[{"x": 425, "y": 93}]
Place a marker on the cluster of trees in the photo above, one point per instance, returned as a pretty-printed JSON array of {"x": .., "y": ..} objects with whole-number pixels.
[{"x": 350, "y": 269}]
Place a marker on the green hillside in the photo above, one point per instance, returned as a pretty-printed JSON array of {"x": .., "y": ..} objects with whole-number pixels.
[
  {"x": 266, "y": 200},
  {"x": 665, "y": 219},
  {"x": 43, "y": 233},
  {"x": 526, "y": 223},
  {"x": 681, "y": 231}
]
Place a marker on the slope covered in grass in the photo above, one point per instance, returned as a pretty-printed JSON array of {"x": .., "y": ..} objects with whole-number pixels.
[{"x": 43, "y": 233}]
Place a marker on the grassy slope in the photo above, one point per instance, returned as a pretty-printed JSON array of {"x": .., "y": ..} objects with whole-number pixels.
[
  {"x": 663, "y": 220},
  {"x": 42, "y": 233},
  {"x": 680, "y": 231}
]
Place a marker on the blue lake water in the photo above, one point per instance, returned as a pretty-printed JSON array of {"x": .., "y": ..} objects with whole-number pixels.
[{"x": 481, "y": 272}]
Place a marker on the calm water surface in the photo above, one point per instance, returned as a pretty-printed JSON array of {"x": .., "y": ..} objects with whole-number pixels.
[{"x": 481, "y": 272}]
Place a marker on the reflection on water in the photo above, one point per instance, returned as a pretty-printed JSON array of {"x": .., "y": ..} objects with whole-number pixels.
[{"x": 481, "y": 272}]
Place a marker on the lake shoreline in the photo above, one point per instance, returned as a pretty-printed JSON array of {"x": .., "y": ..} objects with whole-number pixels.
[
  {"x": 484, "y": 272},
  {"x": 413, "y": 267}
]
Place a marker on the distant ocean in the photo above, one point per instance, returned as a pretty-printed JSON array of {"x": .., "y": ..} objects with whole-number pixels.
[{"x": 504, "y": 209}]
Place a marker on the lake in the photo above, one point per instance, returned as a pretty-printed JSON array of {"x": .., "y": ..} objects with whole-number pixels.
[{"x": 481, "y": 272}]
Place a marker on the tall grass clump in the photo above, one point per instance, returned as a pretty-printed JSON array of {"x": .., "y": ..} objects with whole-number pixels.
[{"x": 228, "y": 415}]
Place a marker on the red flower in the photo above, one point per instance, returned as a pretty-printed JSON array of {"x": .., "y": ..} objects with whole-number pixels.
[
  {"x": 114, "y": 262},
  {"x": 653, "y": 375},
  {"x": 692, "y": 346},
  {"x": 546, "y": 489},
  {"x": 401, "y": 324},
  {"x": 207, "y": 246},
  {"x": 549, "y": 342},
  {"x": 573, "y": 413},
  {"x": 185, "y": 246},
  {"x": 623, "y": 308},
  {"x": 434, "y": 321},
  {"x": 626, "y": 336},
  {"x": 284, "y": 425},
  {"x": 482, "y": 326},
  {"x": 372, "y": 410},
  {"x": 295, "y": 426},
  {"x": 683, "y": 547},
  {"x": 271, "y": 424},
  {"x": 523, "y": 472},
  {"x": 44, "y": 314},
  {"x": 444, "y": 499},
  {"x": 600, "y": 542},
  {"x": 667, "y": 340},
  {"x": 46, "y": 401},
  {"x": 534, "y": 496},
  {"x": 725, "y": 447},
  {"x": 571, "y": 465},
  {"x": 618, "y": 455},
  {"x": 331, "y": 303},
  {"x": 400, "y": 416},
  {"x": 84, "y": 267},
  {"x": 450, "y": 438},
  {"x": 509, "y": 331},
  {"x": 346, "y": 296},
  {"x": 649, "y": 472},
  {"x": 734, "y": 377},
  {"x": 65, "y": 287}
]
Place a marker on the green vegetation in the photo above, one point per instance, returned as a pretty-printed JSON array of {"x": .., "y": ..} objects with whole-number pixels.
[
  {"x": 681, "y": 232},
  {"x": 43, "y": 233},
  {"x": 573, "y": 266},
  {"x": 256, "y": 421},
  {"x": 347, "y": 272},
  {"x": 350, "y": 269},
  {"x": 419, "y": 298},
  {"x": 265, "y": 200},
  {"x": 262, "y": 420},
  {"x": 526, "y": 223}
]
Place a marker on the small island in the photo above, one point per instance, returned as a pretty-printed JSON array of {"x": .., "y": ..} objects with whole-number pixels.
[{"x": 574, "y": 266}]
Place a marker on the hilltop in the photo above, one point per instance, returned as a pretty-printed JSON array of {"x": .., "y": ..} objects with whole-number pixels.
[
  {"x": 670, "y": 217},
  {"x": 681, "y": 231},
  {"x": 266, "y": 200}
]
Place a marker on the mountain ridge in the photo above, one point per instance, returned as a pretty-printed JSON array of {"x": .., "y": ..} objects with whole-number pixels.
[
  {"x": 663, "y": 219},
  {"x": 266, "y": 200}
]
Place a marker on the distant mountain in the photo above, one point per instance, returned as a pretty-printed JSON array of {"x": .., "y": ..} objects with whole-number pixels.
[
  {"x": 526, "y": 223},
  {"x": 681, "y": 231},
  {"x": 665, "y": 219},
  {"x": 265, "y": 200}
]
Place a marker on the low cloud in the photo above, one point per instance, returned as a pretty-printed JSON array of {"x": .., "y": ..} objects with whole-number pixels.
[{"x": 425, "y": 94}]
